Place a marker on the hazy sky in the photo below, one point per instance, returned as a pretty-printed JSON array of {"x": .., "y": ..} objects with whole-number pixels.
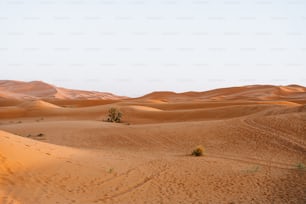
[{"x": 134, "y": 47}]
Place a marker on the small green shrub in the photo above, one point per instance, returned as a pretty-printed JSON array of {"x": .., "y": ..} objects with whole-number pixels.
[
  {"x": 198, "y": 151},
  {"x": 301, "y": 166},
  {"x": 253, "y": 169},
  {"x": 110, "y": 170},
  {"x": 114, "y": 115}
]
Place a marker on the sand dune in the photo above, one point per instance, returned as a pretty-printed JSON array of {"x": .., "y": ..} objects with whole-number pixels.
[
  {"x": 40, "y": 90},
  {"x": 38, "y": 104},
  {"x": 63, "y": 151},
  {"x": 255, "y": 92}
]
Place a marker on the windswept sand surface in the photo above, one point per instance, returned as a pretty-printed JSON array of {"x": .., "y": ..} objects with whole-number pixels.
[{"x": 61, "y": 150}]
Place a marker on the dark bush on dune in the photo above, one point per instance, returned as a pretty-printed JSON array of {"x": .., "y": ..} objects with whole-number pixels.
[
  {"x": 114, "y": 115},
  {"x": 198, "y": 151}
]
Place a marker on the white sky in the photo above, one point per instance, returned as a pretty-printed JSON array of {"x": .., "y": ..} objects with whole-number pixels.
[{"x": 138, "y": 46}]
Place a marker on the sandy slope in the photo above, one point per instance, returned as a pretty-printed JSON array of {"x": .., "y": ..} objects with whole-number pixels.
[{"x": 63, "y": 152}]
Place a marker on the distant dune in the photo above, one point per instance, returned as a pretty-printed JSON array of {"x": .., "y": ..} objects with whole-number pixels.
[
  {"x": 56, "y": 146},
  {"x": 254, "y": 92},
  {"x": 36, "y": 90}
]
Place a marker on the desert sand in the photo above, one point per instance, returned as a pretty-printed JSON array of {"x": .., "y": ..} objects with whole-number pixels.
[{"x": 56, "y": 147}]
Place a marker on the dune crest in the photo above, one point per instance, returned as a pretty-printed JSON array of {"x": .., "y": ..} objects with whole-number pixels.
[{"x": 37, "y": 104}]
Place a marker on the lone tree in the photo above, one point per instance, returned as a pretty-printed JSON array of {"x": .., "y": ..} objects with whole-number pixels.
[{"x": 114, "y": 115}]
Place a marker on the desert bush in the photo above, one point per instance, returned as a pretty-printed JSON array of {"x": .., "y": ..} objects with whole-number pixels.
[
  {"x": 253, "y": 169},
  {"x": 198, "y": 151},
  {"x": 114, "y": 115},
  {"x": 301, "y": 166},
  {"x": 110, "y": 170}
]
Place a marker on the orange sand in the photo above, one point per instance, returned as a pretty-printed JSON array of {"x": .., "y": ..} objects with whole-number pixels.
[{"x": 254, "y": 139}]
